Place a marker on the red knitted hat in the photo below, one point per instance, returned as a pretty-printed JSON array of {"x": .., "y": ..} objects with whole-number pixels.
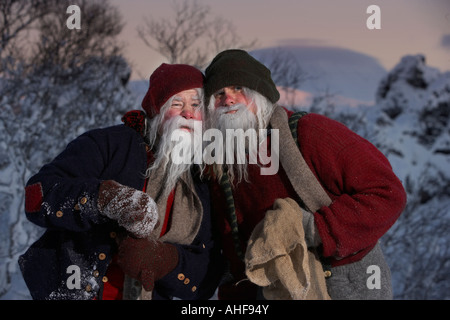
[{"x": 166, "y": 81}]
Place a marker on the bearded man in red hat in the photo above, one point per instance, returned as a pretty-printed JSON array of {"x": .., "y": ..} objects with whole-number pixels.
[{"x": 123, "y": 221}]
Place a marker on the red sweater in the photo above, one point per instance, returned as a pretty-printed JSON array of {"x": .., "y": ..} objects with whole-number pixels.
[{"x": 367, "y": 196}]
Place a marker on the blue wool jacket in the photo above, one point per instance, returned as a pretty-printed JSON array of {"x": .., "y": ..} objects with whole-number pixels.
[{"x": 71, "y": 259}]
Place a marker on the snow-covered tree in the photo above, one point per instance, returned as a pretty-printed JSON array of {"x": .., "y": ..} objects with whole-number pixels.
[
  {"x": 410, "y": 124},
  {"x": 74, "y": 81}
]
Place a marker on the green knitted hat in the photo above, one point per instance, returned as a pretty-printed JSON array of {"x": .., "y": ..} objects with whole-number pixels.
[{"x": 237, "y": 68}]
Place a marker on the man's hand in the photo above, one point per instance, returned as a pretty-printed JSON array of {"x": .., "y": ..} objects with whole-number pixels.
[
  {"x": 147, "y": 260},
  {"x": 132, "y": 209}
]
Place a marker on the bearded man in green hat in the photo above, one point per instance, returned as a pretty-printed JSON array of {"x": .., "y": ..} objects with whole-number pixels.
[{"x": 359, "y": 199}]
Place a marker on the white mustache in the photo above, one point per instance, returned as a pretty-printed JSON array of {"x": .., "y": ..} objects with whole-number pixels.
[
  {"x": 179, "y": 122},
  {"x": 221, "y": 110},
  {"x": 185, "y": 123}
]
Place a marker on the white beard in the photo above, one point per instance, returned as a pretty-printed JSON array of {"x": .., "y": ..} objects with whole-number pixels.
[
  {"x": 164, "y": 152},
  {"x": 244, "y": 119}
]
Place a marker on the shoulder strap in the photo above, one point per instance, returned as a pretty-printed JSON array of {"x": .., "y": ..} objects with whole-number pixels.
[
  {"x": 293, "y": 123},
  {"x": 307, "y": 187},
  {"x": 300, "y": 175}
]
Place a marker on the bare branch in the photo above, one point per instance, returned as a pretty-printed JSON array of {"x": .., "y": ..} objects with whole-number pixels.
[
  {"x": 190, "y": 36},
  {"x": 286, "y": 72}
]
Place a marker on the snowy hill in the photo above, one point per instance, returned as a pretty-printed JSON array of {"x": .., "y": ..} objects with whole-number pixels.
[
  {"x": 343, "y": 73},
  {"x": 414, "y": 131},
  {"x": 410, "y": 124}
]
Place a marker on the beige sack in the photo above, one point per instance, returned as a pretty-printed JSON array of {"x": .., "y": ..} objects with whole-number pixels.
[{"x": 278, "y": 260}]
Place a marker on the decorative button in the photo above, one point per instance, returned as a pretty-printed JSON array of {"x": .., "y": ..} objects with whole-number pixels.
[
  {"x": 88, "y": 288},
  {"x": 83, "y": 200},
  {"x": 194, "y": 288},
  {"x": 112, "y": 235},
  {"x": 102, "y": 256},
  {"x": 327, "y": 274},
  {"x": 96, "y": 273},
  {"x": 105, "y": 279},
  {"x": 59, "y": 214},
  {"x": 186, "y": 281},
  {"x": 181, "y": 277},
  {"x": 77, "y": 207}
]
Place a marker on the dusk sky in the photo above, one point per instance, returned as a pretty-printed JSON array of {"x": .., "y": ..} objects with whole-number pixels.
[{"x": 407, "y": 27}]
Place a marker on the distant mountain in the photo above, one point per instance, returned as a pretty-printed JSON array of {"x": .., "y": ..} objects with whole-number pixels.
[{"x": 344, "y": 73}]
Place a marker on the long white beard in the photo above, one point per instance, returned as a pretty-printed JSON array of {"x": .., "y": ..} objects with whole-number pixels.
[
  {"x": 164, "y": 152},
  {"x": 244, "y": 119}
]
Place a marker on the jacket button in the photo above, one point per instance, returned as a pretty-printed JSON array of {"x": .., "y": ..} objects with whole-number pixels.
[
  {"x": 88, "y": 288},
  {"x": 96, "y": 273},
  {"x": 77, "y": 207},
  {"x": 102, "y": 256},
  {"x": 83, "y": 200},
  {"x": 186, "y": 281},
  {"x": 105, "y": 279},
  {"x": 112, "y": 235},
  {"x": 181, "y": 276},
  {"x": 59, "y": 214},
  {"x": 327, "y": 274},
  {"x": 194, "y": 288}
]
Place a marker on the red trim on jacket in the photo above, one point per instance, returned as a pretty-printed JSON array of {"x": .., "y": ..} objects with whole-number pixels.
[{"x": 33, "y": 197}]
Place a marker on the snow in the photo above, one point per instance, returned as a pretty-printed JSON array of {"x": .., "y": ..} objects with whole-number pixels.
[
  {"x": 408, "y": 119},
  {"x": 133, "y": 209},
  {"x": 405, "y": 112},
  {"x": 410, "y": 123},
  {"x": 36, "y": 123}
]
